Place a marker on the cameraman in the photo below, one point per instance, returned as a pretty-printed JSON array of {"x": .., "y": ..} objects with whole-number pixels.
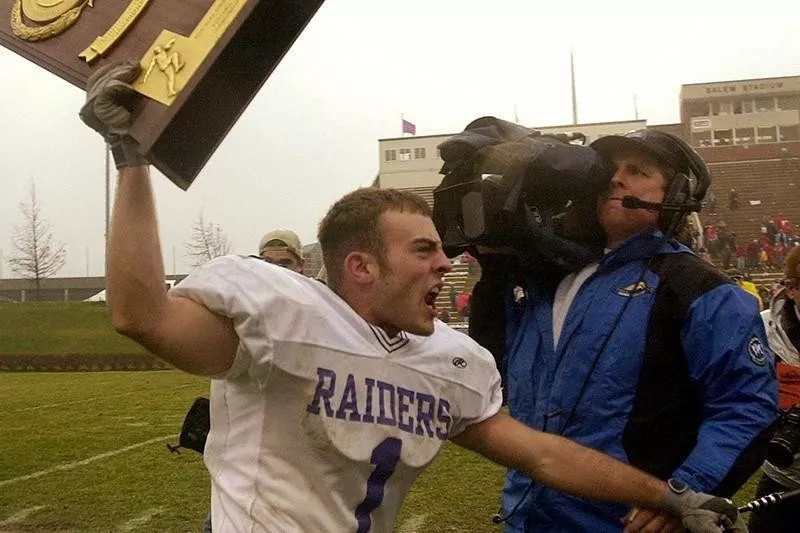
[
  {"x": 783, "y": 333},
  {"x": 648, "y": 354}
]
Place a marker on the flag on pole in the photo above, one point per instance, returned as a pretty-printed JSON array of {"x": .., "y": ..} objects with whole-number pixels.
[{"x": 408, "y": 127}]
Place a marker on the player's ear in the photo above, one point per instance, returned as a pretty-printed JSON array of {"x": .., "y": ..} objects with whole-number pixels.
[{"x": 360, "y": 267}]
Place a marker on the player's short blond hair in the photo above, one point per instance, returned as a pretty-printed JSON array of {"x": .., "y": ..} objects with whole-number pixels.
[{"x": 351, "y": 224}]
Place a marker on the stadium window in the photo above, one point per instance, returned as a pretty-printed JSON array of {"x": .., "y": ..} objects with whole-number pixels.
[
  {"x": 702, "y": 139},
  {"x": 723, "y": 137},
  {"x": 789, "y": 133},
  {"x": 405, "y": 154},
  {"x": 787, "y": 103},
  {"x": 390, "y": 155},
  {"x": 419, "y": 153},
  {"x": 766, "y": 135},
  {"x": 745, "y": 136},
  {"x": 722, "y": 108},
  {"x": 747, "y": 106},
  {"x": 697, "y": 109},
  {"x": 765, "y": 104}
]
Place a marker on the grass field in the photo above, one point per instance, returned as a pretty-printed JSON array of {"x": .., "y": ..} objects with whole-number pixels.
[
  {"x": 85, "y": 452},
  {"x": 59, "y": 327}
]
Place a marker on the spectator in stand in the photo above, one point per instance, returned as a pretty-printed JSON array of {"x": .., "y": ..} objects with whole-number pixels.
[
  {"x": 752, "y": 254},
  {"x": 462, "y": 305},
  {"x": 770, "y": 250},
  {"x": 763, "y": 259},
  {"x": 772, "y": 229},
  {"x": 727, "y": 243},
  {"x": 711, "y": 241},
  {"x": 741, "y": 256},
  {"x": 781, "y": 222},
  {"x": 712, "y": 203},
  {"x": 733, "y": 199}
]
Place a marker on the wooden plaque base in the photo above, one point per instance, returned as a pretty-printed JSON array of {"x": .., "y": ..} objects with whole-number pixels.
[{"x": 203, "y": 59}]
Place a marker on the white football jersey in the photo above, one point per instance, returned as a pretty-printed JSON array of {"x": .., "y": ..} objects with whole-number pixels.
[{"x": 323, "y": 422}]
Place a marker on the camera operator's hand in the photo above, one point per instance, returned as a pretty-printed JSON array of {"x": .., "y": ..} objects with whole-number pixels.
[
  {"x": 700, "y": 512},
  {"x": 109, "y": 98},
  {"x": 652, "y": 521}
]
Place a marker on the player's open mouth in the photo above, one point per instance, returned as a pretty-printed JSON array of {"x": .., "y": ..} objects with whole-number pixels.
[{"x": 430, "y": 298}]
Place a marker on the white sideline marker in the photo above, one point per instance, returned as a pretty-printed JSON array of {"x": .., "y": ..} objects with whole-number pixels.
[
  {"x": 134, "y": 523},
  {"x": 413, "y": 524},
  {"x": 92, "y": 399},
  {"x": 84, "y": 462},
  {"x": 21, "y": 516}
]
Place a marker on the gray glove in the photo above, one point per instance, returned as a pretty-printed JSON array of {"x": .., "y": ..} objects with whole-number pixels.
[
  {"x": 109, "y": 96},
  {"x": 700, "y": 512}
]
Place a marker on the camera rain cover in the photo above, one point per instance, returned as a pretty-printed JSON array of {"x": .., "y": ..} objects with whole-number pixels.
[{"x": 505, "y": 184}]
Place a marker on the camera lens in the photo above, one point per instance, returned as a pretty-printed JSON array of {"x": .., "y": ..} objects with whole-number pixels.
[{"x": 780, "y": 453}]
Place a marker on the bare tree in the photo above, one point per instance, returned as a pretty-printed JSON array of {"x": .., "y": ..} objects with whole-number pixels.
[
  {"x": 37, "y": 254},
  {"x": 207, "y": 242}
]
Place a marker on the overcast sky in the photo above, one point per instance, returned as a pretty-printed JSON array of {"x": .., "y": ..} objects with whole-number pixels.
[{"x": 312, "y": 132}]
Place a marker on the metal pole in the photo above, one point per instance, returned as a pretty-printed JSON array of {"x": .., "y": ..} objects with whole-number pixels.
[
  {"x": 574, "y": 96},
  {"x": 108, "y": 189}
]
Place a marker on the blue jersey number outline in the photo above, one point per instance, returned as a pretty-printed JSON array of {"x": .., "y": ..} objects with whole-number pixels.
[{"x": 385, "y": 457}]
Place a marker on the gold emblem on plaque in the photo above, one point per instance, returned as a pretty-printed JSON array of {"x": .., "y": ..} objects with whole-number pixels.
[
  {"x": 177, "y": 57},
  {"x": 169, "y": 62},
  {"x": 54, "y": 17},
  {"x": 104, "y": 42}
]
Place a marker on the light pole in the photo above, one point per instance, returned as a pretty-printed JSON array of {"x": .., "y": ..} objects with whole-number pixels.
[{"x": 108, "y": 196}]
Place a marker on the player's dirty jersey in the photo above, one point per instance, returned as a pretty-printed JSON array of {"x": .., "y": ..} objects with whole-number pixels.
[{"x": 323, "y": 421}]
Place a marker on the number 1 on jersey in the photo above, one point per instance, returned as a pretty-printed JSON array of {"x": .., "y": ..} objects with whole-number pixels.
[{"x": 384, "y": 457}]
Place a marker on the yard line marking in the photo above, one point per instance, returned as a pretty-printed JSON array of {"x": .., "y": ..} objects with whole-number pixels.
[
  {"x": 21, "y": 516},
  {"x": 92, "y": 399},
  {"x": 413, "y": 524},
  {"x": 84, "y": 462},
  {"x": 140, "y": 520}
]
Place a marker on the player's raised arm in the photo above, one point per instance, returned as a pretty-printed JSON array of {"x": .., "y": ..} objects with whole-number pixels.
[
  {"x": 570, "y": 467},
  {"x": 178, "y": 330}
]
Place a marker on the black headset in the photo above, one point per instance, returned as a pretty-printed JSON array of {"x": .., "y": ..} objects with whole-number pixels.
[{"x": 687, "y": 189}]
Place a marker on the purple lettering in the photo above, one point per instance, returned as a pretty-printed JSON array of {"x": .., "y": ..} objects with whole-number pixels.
[
  {"x": 349, "y": 401},
  {"x": 443, "y": 415},
  {"x": 370, "y": 383},
  {"x": 405, "y": 398},
  {"x": 324, "y": 392},
  {"x": 384, "y": 420},
  {"x": 425, "y": 413}
]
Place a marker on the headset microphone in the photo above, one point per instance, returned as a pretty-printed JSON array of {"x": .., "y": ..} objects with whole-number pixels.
[{"x": 632, "y": 202}]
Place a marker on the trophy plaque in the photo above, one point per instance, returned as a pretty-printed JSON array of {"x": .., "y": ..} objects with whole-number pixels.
[{"x": 202, "y": 61}]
